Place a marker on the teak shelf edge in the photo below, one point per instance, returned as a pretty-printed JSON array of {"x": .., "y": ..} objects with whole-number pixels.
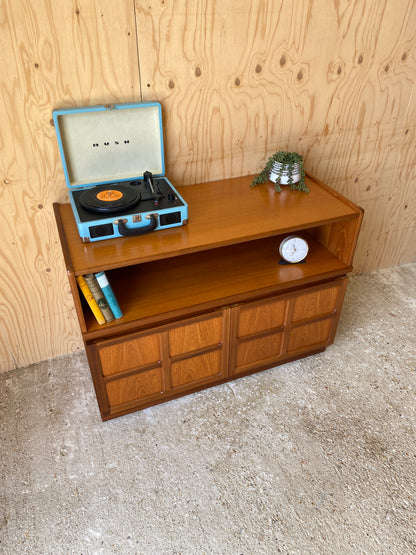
[{"x": 257, "y": 213}]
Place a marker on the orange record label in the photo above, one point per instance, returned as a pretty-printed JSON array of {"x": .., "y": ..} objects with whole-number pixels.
[{"x": 110, "y": 195}]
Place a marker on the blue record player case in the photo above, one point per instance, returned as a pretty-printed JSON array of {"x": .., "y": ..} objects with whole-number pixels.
[{"x": 113, "y": 161}]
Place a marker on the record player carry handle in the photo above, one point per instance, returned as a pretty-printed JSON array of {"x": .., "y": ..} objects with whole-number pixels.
[{"x": 132, "y": 231}]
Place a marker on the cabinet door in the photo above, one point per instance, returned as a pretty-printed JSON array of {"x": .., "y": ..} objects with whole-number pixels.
[
  {"x": 141, "y": 369},
  {"x": 129, "y": 370},
  {"x": 128, "y": 353},
  {"x": 258, "y": 329},
  {"x": 144, "y": 368},
  {"x": 283, "y": 327},
  {"x": 198, "y": 350},
  {"x": 315, "y": 316},
  {"x": 139, "y": 386}
]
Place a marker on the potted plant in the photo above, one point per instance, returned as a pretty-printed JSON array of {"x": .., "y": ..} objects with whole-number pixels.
[{"x": 283, "y": 168}]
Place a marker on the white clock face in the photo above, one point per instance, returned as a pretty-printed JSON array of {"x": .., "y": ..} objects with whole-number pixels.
[{"x": 293, "y": 249}]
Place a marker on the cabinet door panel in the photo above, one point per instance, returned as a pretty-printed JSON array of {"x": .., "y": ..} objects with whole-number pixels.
[
  {"x": 310, "y": 335},
  {"x": 129, "y": 353},
  {"x": 196, "y": 335},
  {"x": 259, "y": 349},
  {"x": 196, "y": 368},
  {"x": 135, "y": 387},
  {"x": 260, "y": 317},
  {"x": 317, "y": 303}
]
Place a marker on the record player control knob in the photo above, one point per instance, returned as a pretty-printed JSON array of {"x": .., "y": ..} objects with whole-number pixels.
[{"x": 171, "y": 197}]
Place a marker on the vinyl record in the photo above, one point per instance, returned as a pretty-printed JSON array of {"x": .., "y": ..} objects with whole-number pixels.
[{"x": 110, "y": 198}]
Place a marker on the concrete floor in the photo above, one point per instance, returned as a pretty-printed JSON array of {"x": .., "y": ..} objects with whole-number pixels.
[{"x": 316, "y": 456}]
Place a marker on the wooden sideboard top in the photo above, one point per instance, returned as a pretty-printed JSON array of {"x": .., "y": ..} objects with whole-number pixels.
[{"x": 221, "y": 213}]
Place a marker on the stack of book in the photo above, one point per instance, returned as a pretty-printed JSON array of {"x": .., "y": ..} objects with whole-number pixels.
[{"x": 100, "y": 297}]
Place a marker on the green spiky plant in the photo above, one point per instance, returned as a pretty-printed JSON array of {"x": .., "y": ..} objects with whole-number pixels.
[{"x": 287, "y": 161}]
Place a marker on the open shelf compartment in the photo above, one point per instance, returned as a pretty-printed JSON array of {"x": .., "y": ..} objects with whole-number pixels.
[{"x": 155, "y": 291}]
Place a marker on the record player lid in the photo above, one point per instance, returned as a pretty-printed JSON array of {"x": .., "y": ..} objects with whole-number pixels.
[{"x": 103, "y": 144}]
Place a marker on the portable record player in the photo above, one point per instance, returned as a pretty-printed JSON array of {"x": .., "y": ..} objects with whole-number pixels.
[{"x": 114, "y": 167}]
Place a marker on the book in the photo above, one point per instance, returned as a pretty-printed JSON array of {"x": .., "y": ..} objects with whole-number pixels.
[
  {"x": 98, "y": 295},
  {"x": 109, "y": 294},
  {"x": 85, "y": 290}
]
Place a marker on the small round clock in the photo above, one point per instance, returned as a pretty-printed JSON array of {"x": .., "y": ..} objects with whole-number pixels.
[{"x": 293, "y": 249}]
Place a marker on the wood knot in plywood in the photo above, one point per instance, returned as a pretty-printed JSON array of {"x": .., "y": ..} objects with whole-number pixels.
[{"x": 336, "y": 69}]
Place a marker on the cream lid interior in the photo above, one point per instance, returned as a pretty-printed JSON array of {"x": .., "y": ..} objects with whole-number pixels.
[{"x": 111, "y": 145}]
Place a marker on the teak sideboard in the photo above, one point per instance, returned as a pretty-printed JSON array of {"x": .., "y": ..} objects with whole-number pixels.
[{"x": 209, "y": 302}]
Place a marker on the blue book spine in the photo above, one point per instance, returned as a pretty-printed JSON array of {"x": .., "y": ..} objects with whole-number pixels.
[{"x": 108, "y": 294}]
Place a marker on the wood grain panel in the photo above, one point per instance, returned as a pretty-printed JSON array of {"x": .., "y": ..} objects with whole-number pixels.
[
  {"x": 53, "y": 54},
  {"x": 196, "y": 368},
  {"x": 135, "y": 387},
  {"x": 262, "y": 316},
  {"x": 196, "y": 335},
  {"x": 366, "y": 145},
  {"x": 259, "y": 350},
  {"x": 334, "y": 81},
  {"x": 315, "y": 304},
  {"x": 129, "y": 354},
  {"x": 314, "y": 334}
]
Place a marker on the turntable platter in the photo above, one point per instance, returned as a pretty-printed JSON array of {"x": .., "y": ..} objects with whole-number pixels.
[{"x": 109, "y": 198}]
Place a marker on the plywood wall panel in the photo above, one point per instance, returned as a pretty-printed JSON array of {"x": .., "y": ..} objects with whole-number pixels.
[
  {"x": 237, "y": 81},
  {"x": 214, "y": 66},
  {"x": 53, "y": 54},
  {"x": 334, "y": 81},
  {"x": 371, "y": 161}
]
